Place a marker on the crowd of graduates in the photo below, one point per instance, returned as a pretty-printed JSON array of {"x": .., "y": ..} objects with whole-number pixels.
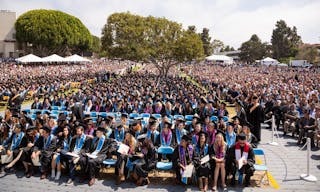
[{"x": 149, "y": 115}]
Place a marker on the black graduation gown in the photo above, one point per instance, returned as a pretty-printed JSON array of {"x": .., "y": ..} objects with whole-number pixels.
[
  {"x": 248, "y": 169},
  {"x": 27, "y": 151},
  {"x": 23, "y": 143},
  {"x": 90, "y": 166},
  {"x": 146, "y": 164},
  {"x": 176, "y": 160},
  {"x": 255, "y": 118},
  {"x": 46, "y": 152},
  {"x": 204, "y": 169}
]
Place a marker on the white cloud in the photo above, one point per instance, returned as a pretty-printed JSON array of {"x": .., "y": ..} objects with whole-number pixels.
[{"x": 232, "y": 21}]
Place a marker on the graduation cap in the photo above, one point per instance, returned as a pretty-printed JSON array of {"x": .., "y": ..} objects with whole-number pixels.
[
  {"x": 142, "y": 137},
  {"x": 102, "y": 129},
  {"x": 18, "y": 125},
  {"x": 211, "y": 101},
  {"x": 180, "y": 119},
  {"x": 138, "y": 118},
  {"x": 125, "y": 115},
  {"x": 242, "y": 136},
  {"x": 154, "y": 123},
  {"x": 46, "y": 129},
  {"x": 15, "y": 115},
  {"x": 235, "y": 118},
  {"x": 47, "y": 112},
  {"x": 24, "y": 112},
  {"x": 168, "y": 123},
  {"x": 231, "y": 124},
  {"x": 38, "y": 112},
  {"x": 152, "y": 118},
  {"x": 196, "y": 116},
  {"x": 186, "y": 138},
  {"x": 31, "y": 128},
  {"x": 202, "y": 133},
  {"x": 119, "y": 126},
  {"x": 87, "y": 117}
]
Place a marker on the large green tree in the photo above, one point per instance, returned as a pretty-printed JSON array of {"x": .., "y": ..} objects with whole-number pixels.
[
  {"x": 206, "y": 41},
  {"x": 51, "y": 31},
  {"x": 217, "y": 45},
  {"x": 159, "y": 40},
  {"x": 253, "y": 49},
  {"x": 285, "y": 41},
  {"x": 309, "y": 53}
]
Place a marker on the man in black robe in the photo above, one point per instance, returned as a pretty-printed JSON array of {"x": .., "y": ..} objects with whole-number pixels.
[
  {"x": 45, "y": 147},
  {"x": 90, "y": 162},
  {"x": 241, "y": 151}
]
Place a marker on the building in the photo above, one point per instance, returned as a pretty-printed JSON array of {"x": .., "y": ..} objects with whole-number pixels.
[{"x": 8, "y": 46}]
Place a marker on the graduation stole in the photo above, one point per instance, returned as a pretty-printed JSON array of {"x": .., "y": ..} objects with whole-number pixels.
[
  {"x": 79, "y": 143},
  {"x": 230, "y": 140},
  {"x": 204, "y": 150},
  {"x": 166, "y": 138},
  {"x": 212, "y": 136},
  {"x": 156, "y": 134},
  {"x": 66, "y": 143},
  {"x": 195, "y": 138},
  {"x": 183, "y": 159},
  {"x": 119, "y": 137},
  {"x": 108, "y": 132},
  {"x": 245, "y": 151},
  {"x": 100, "y": 144},
  {"x": 178, "y": 136},
  {"x": 37, "y": 137},
  {"x": 219, "y": 152},
  {"x": 16, "y": 140},
  {"x": 46, "y": 145}
]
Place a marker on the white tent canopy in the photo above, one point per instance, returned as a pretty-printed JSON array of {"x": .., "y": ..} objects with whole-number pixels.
[
  {"x": 29, "y": 59},
  {"x": 223, "y": 58},
  {"x": 76, "y": 58},
  {"x": 269, "y": 61},
  {"x": 53, "y": 58}
]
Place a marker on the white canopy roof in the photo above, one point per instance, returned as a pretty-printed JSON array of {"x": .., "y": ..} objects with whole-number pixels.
[
  {"x": 29, "y": 59},
  {"x": 76, "y": 58},
  {"x": 268, "y": 59},
  {"x": 218, "y": 58},
  {"x": 53, "y": 58}
]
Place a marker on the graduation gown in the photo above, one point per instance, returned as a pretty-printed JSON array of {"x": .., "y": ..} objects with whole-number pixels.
[
  {"x": 27, "y": 151},
  {"x": 47, "y": 149},
  {"x": 99, "y": 147},
  {"x": 147, "y": 163},
  {"x": 202, "y": 170},
  {"x": 177, "y": 135},
  {"x": 247, "y": 169},
  {"x": 17, "y": 143},
  {"x": 154, "y": 137},
  {"x": 184, "y": 157},
  {"x": 255, "y": 118}
]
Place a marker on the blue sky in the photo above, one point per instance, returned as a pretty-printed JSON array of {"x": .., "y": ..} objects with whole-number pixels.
[{"x": 232, "y": 21}]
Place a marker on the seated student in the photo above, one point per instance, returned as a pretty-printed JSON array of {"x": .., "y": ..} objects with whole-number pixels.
[
  {"x": 32, "y": 136},
  {"x": 250, "y": 138},
  {"x": 182, "y": 156},
  {"x": 291, "y": 118},
  {"x": 236, "y": 125},
  {"x": 136, "y": 128},
  {"x": 122, "y": 159},
  {"x": 166, "y": 135},
  {"x": 78, "y": 145},
  {"x": 202, "y": 169},
  {"x": 63, "y": 143},
  {"x": 211, "y": 131},
  {"x": 218, "y": 154},
  {"x": 222, "y": 126},
  {"x": 44, "y": 148},
  {"x": 153, "y": 135},
  {"x": 16, "y": 142},
  {"x": 195, "y": 135},
  {"x": 147, "y": 161},
  {"x": 230, "y": 136},
  {"x": 118, "y": 133},
  {"x": 241, "y": 151},
  {"x": 90, "y": 162},
  {"x": 178, "y": 133}
]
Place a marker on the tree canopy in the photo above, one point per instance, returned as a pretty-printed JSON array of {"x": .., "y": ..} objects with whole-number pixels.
[
  {"x": 285, "y": 41},
  {"x": 206, "y": 41},
  {"x": 253, "y": 49},
  {"x": 51, "y": 31},
  {"x": 159, "y": 40}
]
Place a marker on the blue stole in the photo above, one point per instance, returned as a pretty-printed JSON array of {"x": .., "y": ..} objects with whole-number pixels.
[
  {"x": 46, "y": 145},
  {"x": 79, "y": 143},
  {"x": 100, "y": 144},
  {"x": 66, "y": 143},
  {"x": 206, "y": 147},
  {"x": 37, "y": 137},
  {"x": 179, "y": 135},
  {"x": 194, "y": 139},
  {"x": 108, "y": 133},
  {"x": 156, "y": 134},
  {"x": 16, "y": 140},
  {"x": 119, "y": 137},
  {"x": 230, "y": 140}
]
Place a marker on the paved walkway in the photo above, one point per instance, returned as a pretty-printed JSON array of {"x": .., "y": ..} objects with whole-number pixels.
[{"x": 285, "y": 163}]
